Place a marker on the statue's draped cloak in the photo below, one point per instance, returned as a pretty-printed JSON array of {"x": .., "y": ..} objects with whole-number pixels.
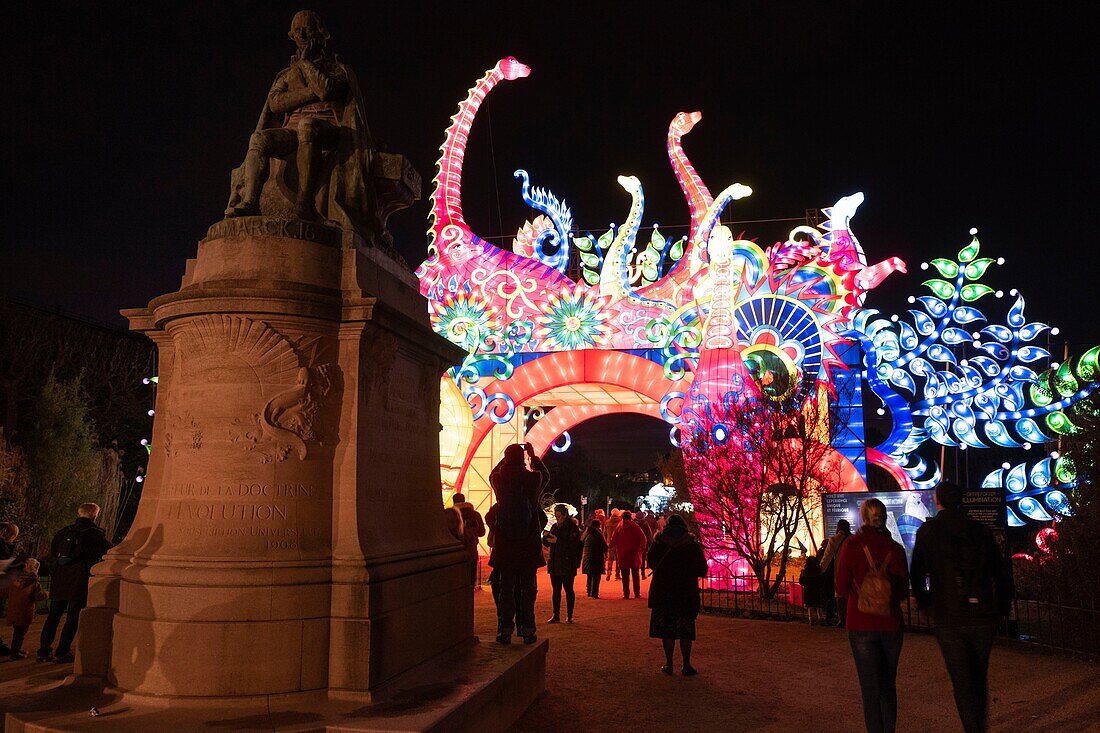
[{"x": 351, "y": 198}]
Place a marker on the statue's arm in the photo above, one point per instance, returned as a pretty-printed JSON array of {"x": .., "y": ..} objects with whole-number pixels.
[
  {"x": 327, "y": 84},
  {"x": 282, "y": 100}
]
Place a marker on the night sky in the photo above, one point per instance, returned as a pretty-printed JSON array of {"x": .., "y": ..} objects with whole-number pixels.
[{"x": 123, "y": 122}]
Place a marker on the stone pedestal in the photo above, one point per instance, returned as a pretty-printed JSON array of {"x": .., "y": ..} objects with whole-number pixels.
[{"x": 290, "y": 539}]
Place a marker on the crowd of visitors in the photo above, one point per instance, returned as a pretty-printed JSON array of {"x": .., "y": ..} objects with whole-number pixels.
[
  {"x": 856, "y": 581},
  {"x": 620, "y": 543},
  {"x": 73, "y": 552}
]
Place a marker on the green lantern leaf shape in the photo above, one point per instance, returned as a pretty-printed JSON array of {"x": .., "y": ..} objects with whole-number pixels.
[
  {"x": 589, "y": 259},
  {"x": 972, "y": 292},
  {"x": 1059, "y": 423},
  {"x": 677, "y": 250},
  {"x": 649, "y": 272},
  {"x": 977, "y": 268},
  {"x": 947, "y": 268},
  {"x": 1065, "y": 381},
  {"x": 657, "y": 240},
  {"x": 605, "y": 239},
  {"x": 1041, "y": 393},
  {"x": 1088, "y": 366},
  {"x": 584, "y": 244},
  {"x": 943, "y": 289},
  {"x": 1064, "y": 470},
  {"x": 592, "y": 278},
  {"x": 970, "y": 251}
]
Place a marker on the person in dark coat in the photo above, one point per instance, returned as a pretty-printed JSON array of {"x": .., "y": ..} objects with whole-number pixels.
[
  {"x": 592, "y": 559},
  {"x": 9, "y": 566},
  {"x": 875, "y": 639},
  {"x": 959, "y": 574},
  {"x": 835, "y": 607},
  {"x": 564, "y": 541},
  {"x": 473, "y": 529},
  {"x": 610, "y": 527},
  {"x": 629, "y": 546},
  {"x": 75, "y": 549},
  {"x": 813, "y": 592},
  {"x": 643, "y": 524},
  {"x": 23, "y": 595},
  {"x": 518, "y": 482},
  {"x": 677, "y": 562}
]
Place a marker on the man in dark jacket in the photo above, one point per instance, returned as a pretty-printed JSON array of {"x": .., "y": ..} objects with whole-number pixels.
[
  {"x": 959, "y": 572},
  {"x": 75, "y": 549},
  {"x": 515, "y": 523},
  {"x": 834, "y": 606}
]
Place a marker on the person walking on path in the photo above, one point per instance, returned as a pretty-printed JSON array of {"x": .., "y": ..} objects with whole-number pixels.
[
  {"x": 835, "y": 605},
  {"x": 643, "y": 524},
  {"x": 871, "y": 574},
  {"x": 609, "y": 529},
  {"x": 515, "y": 523},
  {"x": 75, "y": 549},
  {"x": 9, "y": 566},
  {"x": 629, "y": 545},
  {"x": 676, "y": 562},
  {"x": 473, "y": 529},
  {"x": 592, "y": 557},
  {"x": 23, "y": 595},
  {"x": 962, "y": 577},
  {"x": 813, "y": 590},
  {"x": 564, "y": 541}
]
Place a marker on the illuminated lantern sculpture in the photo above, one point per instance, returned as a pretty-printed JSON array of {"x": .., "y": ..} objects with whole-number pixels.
[{"x": 665, "y": 327}]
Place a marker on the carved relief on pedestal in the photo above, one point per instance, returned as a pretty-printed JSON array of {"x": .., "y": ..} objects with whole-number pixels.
[
  {"x": 183, "y": 432},
  {"x": 379, "y": 354},
  {"x": 243, "y": 373}
]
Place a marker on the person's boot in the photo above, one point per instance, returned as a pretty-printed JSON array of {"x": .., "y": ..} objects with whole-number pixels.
[
  {"x": 504, "y": 639},
  {"x": 553, "y": 619}
]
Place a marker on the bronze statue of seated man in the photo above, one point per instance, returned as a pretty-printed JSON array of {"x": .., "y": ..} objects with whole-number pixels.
[{"x": 310, "y": 107}]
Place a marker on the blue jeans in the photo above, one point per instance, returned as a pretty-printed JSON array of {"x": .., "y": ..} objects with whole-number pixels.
[
  {"x": 71, "y": 611},
  {"x": 965, "y": 651},
  {"x": 876, "y": 654}
]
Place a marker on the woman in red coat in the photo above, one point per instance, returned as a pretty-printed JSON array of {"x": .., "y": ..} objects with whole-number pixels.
[
  {"x": 629, "y": 544},
  {"x": 874, "y": 626}
]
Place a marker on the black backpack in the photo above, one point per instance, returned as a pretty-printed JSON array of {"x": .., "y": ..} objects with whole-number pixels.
[
  {"x": 969, "y": 563},
  {"x": 71, "y": 545},
  {"x": 514, "y": 517}
]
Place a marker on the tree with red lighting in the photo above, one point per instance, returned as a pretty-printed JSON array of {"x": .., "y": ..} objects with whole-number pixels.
[{"x": 756, "y": 471}]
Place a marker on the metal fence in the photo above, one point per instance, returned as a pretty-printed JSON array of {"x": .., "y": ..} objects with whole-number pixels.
[{"x": 1049, "y": 625}]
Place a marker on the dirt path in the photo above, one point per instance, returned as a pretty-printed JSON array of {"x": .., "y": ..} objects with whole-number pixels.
[{"x": 769, "y": 676}]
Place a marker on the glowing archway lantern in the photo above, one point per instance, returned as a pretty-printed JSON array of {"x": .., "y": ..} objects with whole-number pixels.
[{"x": 679, "y": 323}]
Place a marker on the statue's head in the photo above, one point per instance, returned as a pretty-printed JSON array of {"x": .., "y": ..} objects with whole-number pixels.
[{"x": 308, "y": 32}]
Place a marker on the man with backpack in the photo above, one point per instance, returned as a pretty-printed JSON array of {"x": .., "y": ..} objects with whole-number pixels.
[
  {"x": 962, "y": 577},
  {"x": 75, "y": 549},
  {"x": 515, "y": 526}
]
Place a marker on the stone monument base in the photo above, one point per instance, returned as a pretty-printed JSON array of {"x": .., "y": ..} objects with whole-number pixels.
[{"x": 482, "y": 688}]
